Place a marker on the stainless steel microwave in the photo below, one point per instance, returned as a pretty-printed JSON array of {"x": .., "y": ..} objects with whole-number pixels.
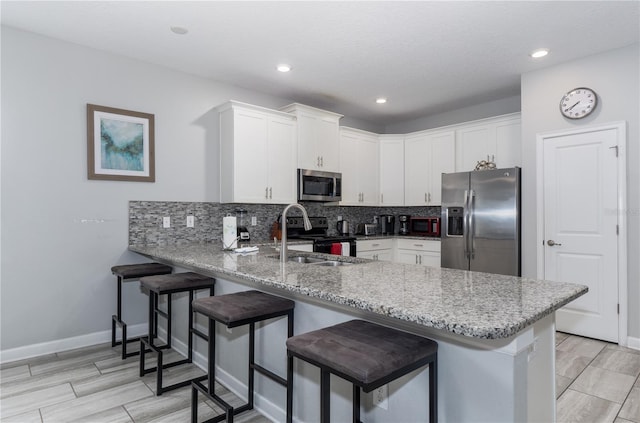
[{"x": 317, "y": 185}]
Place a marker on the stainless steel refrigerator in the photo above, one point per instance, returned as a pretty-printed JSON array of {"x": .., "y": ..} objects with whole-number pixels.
[{"x": 481, "y": 221}]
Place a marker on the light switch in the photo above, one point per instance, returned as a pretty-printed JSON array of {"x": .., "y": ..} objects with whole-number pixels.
[{"x": 190, "y": 221}]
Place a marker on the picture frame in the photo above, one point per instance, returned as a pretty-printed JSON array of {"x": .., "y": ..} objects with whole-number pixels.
[{"x": 120, "y": 144}]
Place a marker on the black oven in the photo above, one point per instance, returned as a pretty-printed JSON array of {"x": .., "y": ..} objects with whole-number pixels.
[{"x": 322, "y": 243}]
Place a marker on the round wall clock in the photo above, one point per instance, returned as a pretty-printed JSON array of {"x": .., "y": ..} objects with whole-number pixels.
[{"x": 578, "y": 103}]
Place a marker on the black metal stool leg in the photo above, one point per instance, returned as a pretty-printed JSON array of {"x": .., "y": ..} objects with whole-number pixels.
[
  {"x": 433, "y": 391},
  {"x": 325, "y": 396},
  {"x": 289, "y": 371},
  {"x": 252, "y": 353},
  {"x": 356, "y": 404}
]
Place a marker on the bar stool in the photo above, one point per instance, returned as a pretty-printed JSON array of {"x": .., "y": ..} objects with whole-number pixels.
[
  {"x": 128, "y": 272},
  {"x": 367, "y": 355},
  {"x": 234, "y": 310},
  {"x": 167, "y": 285}
]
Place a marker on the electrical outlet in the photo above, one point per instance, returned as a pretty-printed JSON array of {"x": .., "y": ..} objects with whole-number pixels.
[
  {"x": 254, "y": 221},
  {"x": 190, "y": 221},
  {"x": 166, "y": 222},
  {"x": 339, "y": 218},
  {"x": 381, "y": 397}
]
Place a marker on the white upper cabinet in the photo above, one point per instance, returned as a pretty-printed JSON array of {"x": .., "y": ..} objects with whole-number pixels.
[
  {"x": 359, "y": 167},
  {"x": 391, "y": 170},
  {"x": 427, "y": 155},
  {"x": 317, "y": 137},
  {"x": 496, "y": 139},
  {"x": 257, "y": 155}
]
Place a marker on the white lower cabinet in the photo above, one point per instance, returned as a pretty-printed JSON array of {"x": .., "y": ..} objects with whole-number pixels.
[
  {"x": 379, "y": 249},
  {"x": 413, "y": 251}
]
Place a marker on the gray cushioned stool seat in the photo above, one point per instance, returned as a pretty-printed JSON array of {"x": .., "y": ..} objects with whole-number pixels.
[
  {"x": 241, "y": 307},
  {"x": 364, "y": 352},
  {"x": 367, "y": 355},
  {"x": 131, "y": 271},
  {"x": 176, "y": 282}
]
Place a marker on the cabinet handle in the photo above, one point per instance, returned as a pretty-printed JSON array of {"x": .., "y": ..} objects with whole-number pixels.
[
  {"x": 493, "y": 158},
  {"x": 318, "y": 161},
  {"x": 270, "y": 193},
  {"x": 420, "y": 259},
  {"x": 321, "y": 161},
  {"x": 416, "y": 259},
  {"x": 429, "y": 198},
  {"x": 266, "y": 193},
  {"x": 375, "y": 245},
  {"x": 381, "y": 198},
  {"x": 418, "y": 245},
  {"x": 425, "y": 197}
]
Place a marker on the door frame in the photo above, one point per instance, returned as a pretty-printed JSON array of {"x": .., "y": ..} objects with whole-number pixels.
[{"x": 621, "y": 128}]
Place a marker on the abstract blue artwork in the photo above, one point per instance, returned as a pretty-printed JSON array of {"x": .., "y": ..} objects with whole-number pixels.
[{"x": 120, "y": 144}]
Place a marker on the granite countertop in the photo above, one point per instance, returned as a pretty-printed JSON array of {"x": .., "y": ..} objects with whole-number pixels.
[{"x": 473, "y": 304}]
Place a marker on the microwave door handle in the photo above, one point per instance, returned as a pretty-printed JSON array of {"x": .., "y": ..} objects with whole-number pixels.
[{"x": 335, "y": 187}]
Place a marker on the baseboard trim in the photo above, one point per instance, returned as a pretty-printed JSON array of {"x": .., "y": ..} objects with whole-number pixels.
[
  {"x": 633, "y": 343},
  {"x": 51, "y": 347}
]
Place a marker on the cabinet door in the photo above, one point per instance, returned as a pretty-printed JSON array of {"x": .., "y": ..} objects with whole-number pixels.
[
  {"x": 416, "y": 172},
  {"x": 328, "y": 144},
  {"x": 308, "y": 157},
  {"x": 391, "y": 171},
  {"x": 442, "y": 160},
  {"x": 407, "y": 257},
  {"x": 430, "y": 259},
  {"x": 367, "y": 254},
  {"x": 349, "y": 168},
  {"x": 508, "y": 149},
  {"x": 281, "y": 160},
  {"x": 368, "y": 170},
  {"x": 250, "y": 157},
  {"x": 472, "y": 145},
  {"x": 384, "y": 255}
]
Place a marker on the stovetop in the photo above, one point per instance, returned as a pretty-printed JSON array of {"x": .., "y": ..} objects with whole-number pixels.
[{"x": 318, "y": 232}]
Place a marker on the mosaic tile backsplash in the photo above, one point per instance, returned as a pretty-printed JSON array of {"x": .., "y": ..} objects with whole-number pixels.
[{"x": 145, "y": 219}]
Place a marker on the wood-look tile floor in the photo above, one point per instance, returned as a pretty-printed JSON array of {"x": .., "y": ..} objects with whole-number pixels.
[
  {"x": 93, "y": 384},
  {"x": 595, "y": 382}
]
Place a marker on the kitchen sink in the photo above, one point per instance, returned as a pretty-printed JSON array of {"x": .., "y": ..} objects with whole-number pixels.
[
  {"x": 320, "y": 261},
  {"x": 306, "y": 259}
]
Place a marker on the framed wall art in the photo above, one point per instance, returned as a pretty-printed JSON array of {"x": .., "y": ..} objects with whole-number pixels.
[{"x": 120, "y": 144}]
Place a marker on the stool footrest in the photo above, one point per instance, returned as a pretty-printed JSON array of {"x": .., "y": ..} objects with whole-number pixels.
[
  {"x": 274, "y": 377},
  {"x": 229, "y": 410}
]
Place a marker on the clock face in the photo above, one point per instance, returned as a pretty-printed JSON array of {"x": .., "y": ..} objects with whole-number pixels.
[{"x": 578, "y": 103}]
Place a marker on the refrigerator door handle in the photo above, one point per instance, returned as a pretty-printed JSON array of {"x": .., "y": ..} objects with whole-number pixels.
[
  {"x": 470, "y": 228},
  {"x": 465, "y": 228}
]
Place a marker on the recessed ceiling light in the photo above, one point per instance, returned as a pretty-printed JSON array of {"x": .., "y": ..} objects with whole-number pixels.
[
  {"x": 541, "y": 52},
  {"x": 180, "y": 30},
  {"x": 284, "y": 67},
  {"x": 381, "y": 100}
]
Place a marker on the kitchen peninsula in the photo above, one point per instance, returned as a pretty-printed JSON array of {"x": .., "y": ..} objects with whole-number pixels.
[{"x": 495, "y": 333}]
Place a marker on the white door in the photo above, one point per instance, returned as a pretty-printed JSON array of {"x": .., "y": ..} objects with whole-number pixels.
[{"x": 580, "y": 182}]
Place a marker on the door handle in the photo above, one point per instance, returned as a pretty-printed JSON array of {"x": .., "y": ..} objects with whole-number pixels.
[
  {"x": 551, "y": 243},
  {"x": 270, "y": 193}
]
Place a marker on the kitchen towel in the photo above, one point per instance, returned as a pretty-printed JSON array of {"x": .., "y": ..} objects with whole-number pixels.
[
  {"x": 336, "y": 248},
  {"x": 346, "y": 248}
]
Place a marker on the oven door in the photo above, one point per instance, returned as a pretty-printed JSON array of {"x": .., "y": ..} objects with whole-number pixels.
[
  {"x": 329, "y": 247},
  {"x": 315, "y": 185}
]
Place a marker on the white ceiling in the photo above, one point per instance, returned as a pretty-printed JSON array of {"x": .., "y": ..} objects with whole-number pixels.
[{"x": 424, "y": 56}]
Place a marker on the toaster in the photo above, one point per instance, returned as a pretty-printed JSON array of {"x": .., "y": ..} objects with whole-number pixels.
[{"x": 366, "y": 229}]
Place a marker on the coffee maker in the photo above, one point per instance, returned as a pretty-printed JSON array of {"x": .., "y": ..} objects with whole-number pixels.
[
  {"x": 243, "y": 233},
  {"x": 404, "y": 224},
  {"x": 387, "y": 224}
]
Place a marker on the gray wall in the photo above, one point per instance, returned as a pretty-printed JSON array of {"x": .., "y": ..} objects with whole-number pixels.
[
  {"x": 466, "y": 114},
  {"x": 61, "y": 233},
  {"x": 615, "y": 77}
]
